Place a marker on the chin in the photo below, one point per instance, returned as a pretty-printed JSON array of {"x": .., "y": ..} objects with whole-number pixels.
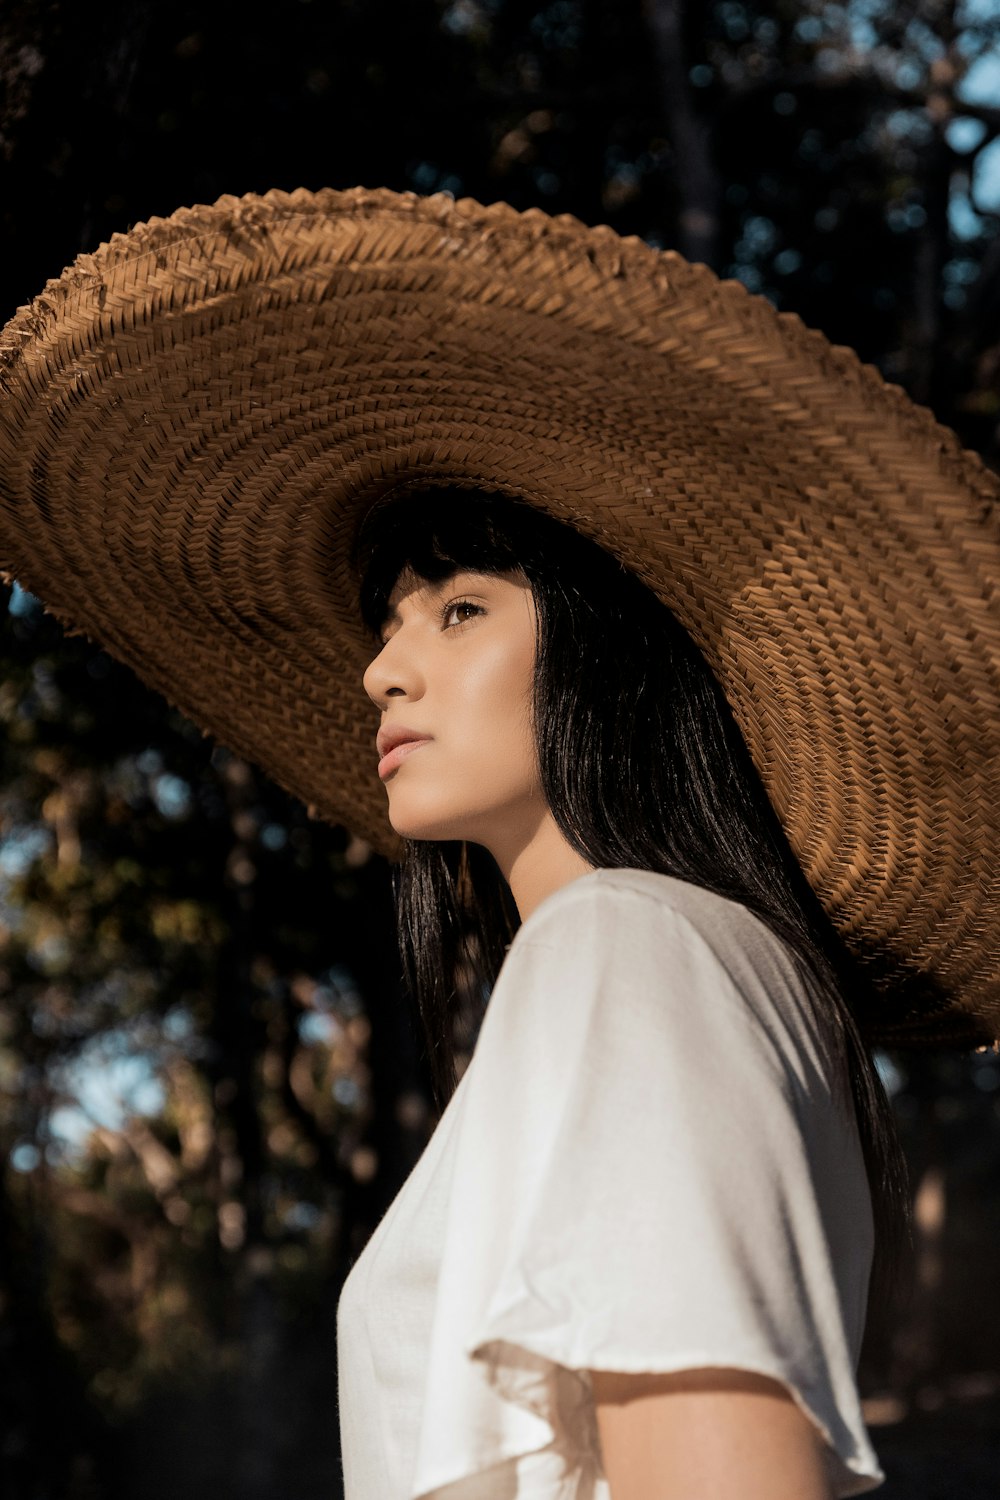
[
  {"x": 416, "y": 826},
  {"x": 431, "y": 825}
]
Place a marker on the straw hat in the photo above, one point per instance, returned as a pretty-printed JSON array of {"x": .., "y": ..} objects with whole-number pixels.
[{"x": 194, "y": 419}]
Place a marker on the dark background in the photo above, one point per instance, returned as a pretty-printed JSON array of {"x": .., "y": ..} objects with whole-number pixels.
[{"x": 211, "y": 1083}]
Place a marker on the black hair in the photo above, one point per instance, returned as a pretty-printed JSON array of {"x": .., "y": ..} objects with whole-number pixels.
[{"x": 642, "y": 766}]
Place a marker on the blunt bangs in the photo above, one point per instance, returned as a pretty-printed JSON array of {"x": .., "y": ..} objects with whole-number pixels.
[{"x": 437, "y": 532}]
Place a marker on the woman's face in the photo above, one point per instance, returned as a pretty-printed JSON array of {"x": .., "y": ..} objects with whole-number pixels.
[{"x": 457, "y": 667}]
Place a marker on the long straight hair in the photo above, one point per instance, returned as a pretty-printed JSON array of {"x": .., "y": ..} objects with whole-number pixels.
[{"x": 642, "y": 766}]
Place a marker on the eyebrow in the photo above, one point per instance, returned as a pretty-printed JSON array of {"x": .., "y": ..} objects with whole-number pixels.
[
  {"x": 391, "y": 617},
  {"x": 435, "y": 585}
]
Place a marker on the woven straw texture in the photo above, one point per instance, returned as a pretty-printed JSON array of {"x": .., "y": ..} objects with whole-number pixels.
[{"x": 194, "y": 419}]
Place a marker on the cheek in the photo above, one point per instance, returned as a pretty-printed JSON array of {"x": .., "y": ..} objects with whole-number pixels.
[
  {"x": 484, "y": 769},
  {"x": 502, "y": 691}
]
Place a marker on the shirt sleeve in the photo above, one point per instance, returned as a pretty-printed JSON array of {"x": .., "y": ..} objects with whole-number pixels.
[{"x": 654, "y": 1172}]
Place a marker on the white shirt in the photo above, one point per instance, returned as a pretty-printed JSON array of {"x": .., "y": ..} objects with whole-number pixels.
[{"x": 644, "y": 1167}]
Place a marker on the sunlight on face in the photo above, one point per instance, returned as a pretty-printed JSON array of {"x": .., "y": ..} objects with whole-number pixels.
[{"x": 457, "y": 666}]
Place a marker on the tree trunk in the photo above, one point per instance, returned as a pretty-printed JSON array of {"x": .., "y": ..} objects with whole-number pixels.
[{"x": 695, "y": 174}]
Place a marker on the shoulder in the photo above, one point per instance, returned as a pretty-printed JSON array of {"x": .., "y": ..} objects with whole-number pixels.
[
  {"x": 668, "y": 954},
  {"x": 627, "y": 889},
  {"x": 644, "y": 909}
]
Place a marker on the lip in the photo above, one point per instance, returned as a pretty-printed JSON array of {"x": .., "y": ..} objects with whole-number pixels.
[
  {"x": 391, "y": 741},
  {"x": 395, "y": 758}
]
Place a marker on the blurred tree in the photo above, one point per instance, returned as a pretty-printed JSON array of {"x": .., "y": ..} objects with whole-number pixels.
[{"x": 190, "y": 1110}]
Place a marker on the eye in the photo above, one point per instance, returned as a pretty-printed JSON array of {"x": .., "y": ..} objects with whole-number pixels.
[{"x": 457, "y": 604}]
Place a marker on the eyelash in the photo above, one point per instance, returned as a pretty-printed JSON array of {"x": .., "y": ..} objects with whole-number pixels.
[
  {"x": 446, "y": 611},
  {"x": 460, "y": 604}
]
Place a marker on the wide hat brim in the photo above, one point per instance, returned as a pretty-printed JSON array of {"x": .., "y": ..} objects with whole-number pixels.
[{"x": 195, "y": 418}]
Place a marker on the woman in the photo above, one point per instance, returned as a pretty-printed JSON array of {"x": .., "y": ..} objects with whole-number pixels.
[
  {"x": 694, "y": 621},
  {"x": 570, "y": 727}
]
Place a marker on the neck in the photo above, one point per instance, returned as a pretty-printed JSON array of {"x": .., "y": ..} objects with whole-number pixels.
[{"x": 539, "y": 863}]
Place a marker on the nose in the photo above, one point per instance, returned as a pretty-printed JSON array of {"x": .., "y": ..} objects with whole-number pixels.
[{"x": 394, "y": 673}]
